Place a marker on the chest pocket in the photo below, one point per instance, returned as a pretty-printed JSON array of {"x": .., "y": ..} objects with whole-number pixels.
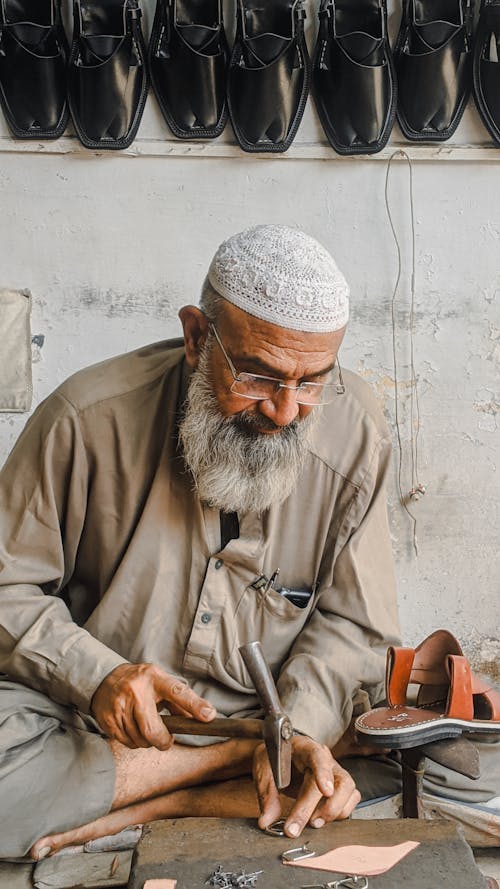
[{"x": 269, "y": 618}]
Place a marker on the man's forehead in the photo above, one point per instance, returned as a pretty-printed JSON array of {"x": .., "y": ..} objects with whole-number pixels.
[{"x": 253, "y": 338}]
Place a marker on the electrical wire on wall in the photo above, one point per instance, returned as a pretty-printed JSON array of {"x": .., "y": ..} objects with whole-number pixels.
[{"x": 417, "y": 489}]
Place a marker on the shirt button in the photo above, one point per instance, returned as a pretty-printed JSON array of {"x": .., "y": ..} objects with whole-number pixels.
[
  {"x": 219, "y": 563},
  {"x": 206, "y": 617}
]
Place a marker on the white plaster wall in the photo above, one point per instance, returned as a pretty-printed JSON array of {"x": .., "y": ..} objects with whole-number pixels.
[{"x": 111, "y": 246}]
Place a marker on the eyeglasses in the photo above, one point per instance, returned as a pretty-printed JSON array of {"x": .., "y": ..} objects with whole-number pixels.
[{"x": 259, "y": 388}]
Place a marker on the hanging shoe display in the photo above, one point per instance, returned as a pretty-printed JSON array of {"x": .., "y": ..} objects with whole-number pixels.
[
  {"x": 353, "y": 75},
  {"x": 108, "y": 80},
  {"x": 268, "y": 74},
  {"x": 188, "y": 57},
  {"x": 33, "y": 59},
  {"x": 487, "y": 67},
  {"x": 433, "y": 57}
]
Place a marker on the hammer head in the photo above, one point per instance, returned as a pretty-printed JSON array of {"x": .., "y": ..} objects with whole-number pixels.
[
  {"x": 277, "y": 734},
  {"x": 278, "y": 729}
]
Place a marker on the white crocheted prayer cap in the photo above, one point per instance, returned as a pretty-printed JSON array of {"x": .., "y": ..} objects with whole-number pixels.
[{"x": 281, "y": 275}]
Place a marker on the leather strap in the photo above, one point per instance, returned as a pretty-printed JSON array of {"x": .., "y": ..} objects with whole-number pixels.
[
  {"x": 398, "y": 670},
  {"x": 429, "y": 667},
  {"x": 489, "y": 699},
  {"x": 459, "y": 704}
]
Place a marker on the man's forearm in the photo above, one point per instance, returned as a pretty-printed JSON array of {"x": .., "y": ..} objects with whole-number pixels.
[{"x": 41, "y": 646}]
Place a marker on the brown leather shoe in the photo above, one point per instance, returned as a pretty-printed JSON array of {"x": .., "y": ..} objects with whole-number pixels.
[{"x": 450, "y": 699}]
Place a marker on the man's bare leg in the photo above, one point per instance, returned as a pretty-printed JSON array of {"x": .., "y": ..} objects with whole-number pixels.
[
  {"x": 144, "y": 773},
  {"x": 152, "y": 784},
  {"x": 227, "y": 799}
]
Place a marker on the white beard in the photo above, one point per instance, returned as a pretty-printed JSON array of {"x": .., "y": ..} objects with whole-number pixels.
[{"x": 234, "y": 466}]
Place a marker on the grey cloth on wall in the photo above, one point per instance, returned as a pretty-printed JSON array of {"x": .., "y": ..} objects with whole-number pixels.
[{"x": 16, "y": 388}]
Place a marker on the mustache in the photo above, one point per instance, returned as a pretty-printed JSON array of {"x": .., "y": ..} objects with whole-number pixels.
[{"x": 252, "y": 422}]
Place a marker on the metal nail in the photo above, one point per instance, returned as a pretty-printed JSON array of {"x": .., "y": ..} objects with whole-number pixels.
[
  {"x": 221, "y": 879},
  {"x": 348, "y": 882}
]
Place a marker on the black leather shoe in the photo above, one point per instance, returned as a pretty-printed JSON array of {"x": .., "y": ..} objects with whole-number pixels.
[
  {"x": 487, "y": 67},
  {"x": 33, "y": 59},
  {"x": 354, "y": 80},
  {"x": 188, "y": 57},
  {"x": 268, "y": 74},
  {"x": 108, "y": 81},
  {"x": 433, "y": 57}
]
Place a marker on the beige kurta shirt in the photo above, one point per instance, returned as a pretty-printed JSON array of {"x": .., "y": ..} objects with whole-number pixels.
[{"x": 107, "y": 555}]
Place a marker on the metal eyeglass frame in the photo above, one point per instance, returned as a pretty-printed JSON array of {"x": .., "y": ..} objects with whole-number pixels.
[{"x": 338, "y": 387}]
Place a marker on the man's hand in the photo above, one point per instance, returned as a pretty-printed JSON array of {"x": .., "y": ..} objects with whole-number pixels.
[
  {"x": 327, "y": 793},
  {"x": 124, "y": 705},
  {"x": 349, "y": 745}
]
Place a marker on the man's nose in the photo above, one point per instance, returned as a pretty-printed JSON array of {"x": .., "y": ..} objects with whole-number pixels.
[{"x": 282, "y": 407}]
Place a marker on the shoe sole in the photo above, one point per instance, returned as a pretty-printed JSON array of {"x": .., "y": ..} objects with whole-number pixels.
[{"x": 401, "y": 738}]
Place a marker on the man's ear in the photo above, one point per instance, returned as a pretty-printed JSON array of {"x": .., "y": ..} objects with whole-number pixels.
[{"x": 195, "y": 326}]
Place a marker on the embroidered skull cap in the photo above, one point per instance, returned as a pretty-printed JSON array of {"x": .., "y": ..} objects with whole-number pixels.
[{"x": 283, "y": 276}]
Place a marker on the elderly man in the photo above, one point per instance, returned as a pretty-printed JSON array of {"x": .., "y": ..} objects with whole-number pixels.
[{"x": 145, "y": 513}]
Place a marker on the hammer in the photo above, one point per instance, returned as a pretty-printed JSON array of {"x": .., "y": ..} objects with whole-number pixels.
[{"x": 275, "y": 729}]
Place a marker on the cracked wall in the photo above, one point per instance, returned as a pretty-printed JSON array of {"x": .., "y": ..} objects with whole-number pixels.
[{"x": 111, "y": 248}]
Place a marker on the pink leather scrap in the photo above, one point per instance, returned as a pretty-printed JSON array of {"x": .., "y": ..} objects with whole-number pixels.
[
  {"x": 367, "y": 861},
  {"x": 160, "y": 884}
]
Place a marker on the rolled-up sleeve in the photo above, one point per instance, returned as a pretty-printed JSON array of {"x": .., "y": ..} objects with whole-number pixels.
[
  {"x": 339, "y": 657},
  {"x": 43, "y": 495}
]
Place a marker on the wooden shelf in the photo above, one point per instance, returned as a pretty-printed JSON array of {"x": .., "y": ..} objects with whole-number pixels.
[{"x": 222, "y": 149}]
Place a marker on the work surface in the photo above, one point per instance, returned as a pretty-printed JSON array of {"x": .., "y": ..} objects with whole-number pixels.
[{"x": 190, "y": 849}]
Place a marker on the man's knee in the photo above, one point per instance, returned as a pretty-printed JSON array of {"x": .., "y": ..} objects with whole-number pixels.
[
  {"x": 379, "y": 776},
  {"x": 54, "y": 774},
  {"x": 448, "y": 783}
]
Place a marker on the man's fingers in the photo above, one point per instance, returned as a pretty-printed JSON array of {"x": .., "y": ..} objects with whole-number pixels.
[
  {"x": 111, "y": 726},
  {"x": 152, "y": 728},
  {"x": 129, "y": 733},
  {"x": 315, "y": 809},
  {"x": 321, "y": 767},
  {"x": 115, "y": 728},
  {"x": 327, "y": 793},
  {"x": 269, "y": 798},
  {"x": 107, "y": 725},
  {"x": 303, "y": 809},
  {"x": 176, "y": 710},
  {"x": 177, "y": 692},
  {"x": 124, "y": 705},
  {"x": 318, "y": 759},
  {"x": 344, "y": 799},
  {"x": 133, "y": 733},
  {"x": 335, "y": 809}
]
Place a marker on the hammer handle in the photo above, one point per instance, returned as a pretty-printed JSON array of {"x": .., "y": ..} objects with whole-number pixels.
[
  {"x": 224, "y": 728},
  {"x": 261, "y": 677}
]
